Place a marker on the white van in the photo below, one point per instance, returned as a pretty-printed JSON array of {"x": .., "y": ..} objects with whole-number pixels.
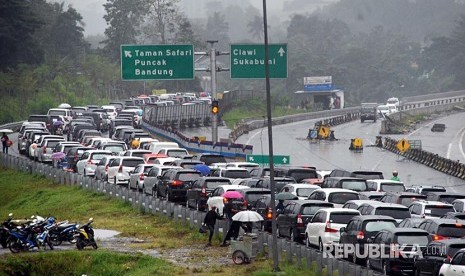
[{"x": 155, "y": 147}]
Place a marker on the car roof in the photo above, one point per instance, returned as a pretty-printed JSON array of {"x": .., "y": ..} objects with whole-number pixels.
[
  {"x": 375, "y": 217},
  {"x": 345, "y": 178},
  {"x": 333, "y": 190},
  {"x": 309, "y": 202},
  {"x": 383, "y": 204},
  {"x": 340, "y": 210},
  {"x": 405, "y": 194},
  {"x": 385, "y": 181},
  {"x": 431, "y": 202},
  {"x": 300, "y": 185}
]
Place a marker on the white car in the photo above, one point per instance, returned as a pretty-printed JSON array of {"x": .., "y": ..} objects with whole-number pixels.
[
  {"x": 455, "y": 266},
  {"x": 429, "y": 209},
  {"x": 245, "y": 165},
  {"x": 302, "y": 191},
  {"x": 173, "y": 152},
  {"x": 44, "y": 154},
  {"x": 135, "y": 153},
  {"x": 166, "y": 161},
  {"x": 385, "y": 185},
  {"x": 111, "y": 111},
  {"x": 35, "y": 146},
  {"x": 89, "y": 161},
  {"x": 119, "y": 168},
  {"x": 217, "y": 199},
  {"x": 459, "y": 205},
  {"x": 323, "y": 228},
  {"x": 136, "y": 178},
  {"x": 101, "y": 172},
  {"x": 337, "y": 196}
]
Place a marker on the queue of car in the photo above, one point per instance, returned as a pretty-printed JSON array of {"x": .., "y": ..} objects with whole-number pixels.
[{"x": 320, "y": 208}]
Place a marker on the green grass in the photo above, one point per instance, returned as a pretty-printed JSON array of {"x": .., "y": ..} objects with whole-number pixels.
[
  {"x": 255, "y": 109},
  {"x": 25, "y": 195}
]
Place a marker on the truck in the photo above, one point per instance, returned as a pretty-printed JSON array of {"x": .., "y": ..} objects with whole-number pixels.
[{"x": 368, "y": 111}]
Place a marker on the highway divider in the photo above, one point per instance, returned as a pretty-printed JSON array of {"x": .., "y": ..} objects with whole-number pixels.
[
  {"x": 432, "y": 160},
  {"x": 292, "y": 252}
]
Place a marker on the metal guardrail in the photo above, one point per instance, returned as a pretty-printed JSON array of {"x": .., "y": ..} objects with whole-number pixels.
[
  {"x": 288, "y": 251},
  {"x": 13, "y": 126}
]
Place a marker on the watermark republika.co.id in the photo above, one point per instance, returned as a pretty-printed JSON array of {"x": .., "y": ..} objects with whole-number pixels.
[{"x": 383, "y": 251}]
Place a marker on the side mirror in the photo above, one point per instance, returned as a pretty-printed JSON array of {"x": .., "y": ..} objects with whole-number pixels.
[
  {"x": 447, "y": 261},
  {"x": 343, "y": 229}
]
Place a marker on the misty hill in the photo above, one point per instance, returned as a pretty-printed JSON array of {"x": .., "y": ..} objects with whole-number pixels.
[{"x": 419, "y": 20}]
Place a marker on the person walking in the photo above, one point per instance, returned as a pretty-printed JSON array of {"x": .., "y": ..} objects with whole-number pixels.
[
  {"x": 210, "y": 221},
  {"x": 5, "y": 141},
  {"x": 395, "y": 176}
]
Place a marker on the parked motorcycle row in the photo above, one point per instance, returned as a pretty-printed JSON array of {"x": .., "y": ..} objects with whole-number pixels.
[{"x": 39, "y": 233}]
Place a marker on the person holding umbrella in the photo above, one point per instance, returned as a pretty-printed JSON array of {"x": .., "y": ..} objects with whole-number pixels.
[{"x": 5, "y": 141}]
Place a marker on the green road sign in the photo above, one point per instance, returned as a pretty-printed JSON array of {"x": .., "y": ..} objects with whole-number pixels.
[
  {"x": 265, "y": 159},
  {"x": 157, "y": 62},
  {"x": 248, "y": 61}
]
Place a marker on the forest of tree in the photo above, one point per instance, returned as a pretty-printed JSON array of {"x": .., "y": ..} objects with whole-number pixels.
[{"x": 373, "y": 49}]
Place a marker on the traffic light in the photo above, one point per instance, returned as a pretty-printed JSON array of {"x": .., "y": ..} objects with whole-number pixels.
[{"x": 215, "y": 107}]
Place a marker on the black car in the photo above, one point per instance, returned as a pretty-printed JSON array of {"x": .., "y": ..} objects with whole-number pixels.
[
  {"x": 400, "y": 246},
  {"x": 201, "y": 190},
  {"x": 119, "y": 122},
  {"x": 74, "y": 132},
  {"x": 368, "y": 174},
  {"x": 249, "y": 182},
  {"x": 74, "y": 155},
  {"x": 174, "y": 183},
  {"x": 433, "y": 256},
  {"x": 292, "y": 221},
  {"x": 361, "y": 228},
  {"x": 404, "y": 198},
  {"x": 42, "y": 118},
  {"x": 446, "y": 197},
  {"x": 252, "y": 195},
  {"x": 279, "y": 183},
  {"x": 350, "y": 183},
  {"x": 209, "y": 158},
  {"x": 263, "y": 207},
  {"x": 440, "y": 229},
  {"x": 298, "y": 173}
]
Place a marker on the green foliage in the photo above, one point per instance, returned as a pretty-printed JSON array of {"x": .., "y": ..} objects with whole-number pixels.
[{"x": 85, "y": 263}]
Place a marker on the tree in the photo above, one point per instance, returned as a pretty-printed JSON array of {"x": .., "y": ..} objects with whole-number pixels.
[
  {"x": 18, "y": 23},
  {"x": 256, "y": 27},
  {"x": 217, "y": 29},
  {"x": 161, "y": 21},
  {"x": 123, "y": 18}
]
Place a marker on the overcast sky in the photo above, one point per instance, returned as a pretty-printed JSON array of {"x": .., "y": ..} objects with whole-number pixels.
[{"x": 92, "y": 11}]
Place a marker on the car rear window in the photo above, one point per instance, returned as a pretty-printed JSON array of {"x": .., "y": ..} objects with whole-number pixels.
[
  {"x": 254, "y": 196},
  {"x": 437, "y": 210},
  {"x": 304, "y": 192},
  {"x": 425, "y": 191},
  {"x": 114, "y": 148},
  {"x": 215, "y": 183},
  {"x": 342, "y": 197},
  {"x": 208, "y": 159},
  {"x": 397, "y": 213},
  {"x": 378, "y": 225},
  {"x": 99, "y": 156},
  {"x": 450, "y": 198},
  {"x": 392, "y": 187},
  {"x": 236, "y": 174},
  {"x": 406, "y": 200},
  {"x": 354, "y": 185},
  {"x": 188, "y": 176},
  {"x": 298, "y": 175},
  {"x": 176, "y": 153},
  {"x": 139, "y": 154},
  {"x": 132, "y": 163},
  {"x": 453, "y": 248},
  {"x": 342, "y": 218},
  {"x": 52, "y": 144},
  {"x": 310, "y": 210},
  {"x": 122, "y": 123},
  {"x": 413, "y": 238},
  {"x": 452, "y": 230},
  {"x": 57, "y": 112}
]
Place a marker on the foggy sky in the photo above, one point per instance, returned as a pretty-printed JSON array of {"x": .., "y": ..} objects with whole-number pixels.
[{"x": 92, "y": 11}]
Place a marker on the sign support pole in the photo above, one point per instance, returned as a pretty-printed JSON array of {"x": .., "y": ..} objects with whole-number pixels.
[
  {"x": 213, "y": 88},
  {"x": 274, "y": 243}
]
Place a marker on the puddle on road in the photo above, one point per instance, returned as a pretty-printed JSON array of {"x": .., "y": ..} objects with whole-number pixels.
[{"x": 105, "y": 233}]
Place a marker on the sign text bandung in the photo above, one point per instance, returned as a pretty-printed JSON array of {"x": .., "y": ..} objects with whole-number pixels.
[
  {"x": 248, "y": 61},
  {"x": 157, "y": 62}
]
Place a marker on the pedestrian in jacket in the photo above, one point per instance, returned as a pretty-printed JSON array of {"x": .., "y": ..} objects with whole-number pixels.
[
  {"x": 210, "y": 221},
  {"x": 5, "y": 145}
]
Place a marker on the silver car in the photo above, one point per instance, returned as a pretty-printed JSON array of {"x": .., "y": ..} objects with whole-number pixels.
[
  {"x": 136, "y": 178},
  {"x": 45, "y": 151},
  {"x": 152, "y": 178}
]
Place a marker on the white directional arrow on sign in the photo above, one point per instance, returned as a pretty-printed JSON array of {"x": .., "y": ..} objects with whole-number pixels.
[
  {"x": 284, "y": 160},
  {"x": 251, "y": 159},
  {"x": 281, "y": 51},
  {"x": 128, "y": 54}
]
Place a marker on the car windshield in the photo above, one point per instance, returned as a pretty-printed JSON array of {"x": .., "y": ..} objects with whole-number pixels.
[
  {"x": 215, "y": 183},
  {"x": 310, "y": 210},
  {"x": 132, "y": 162},
  {"x": 359, "y": 186},
  {"x": 452, "y": 230},
  {"x": 450, "y": 198},
  {"x": 342, "y": 197},
  {"x": 420, "y": 239},
  {"x": 378, "y": 225},
  {"x": 397, "y": 213},
  {"x": 438, "y": 210},
  {"x": 342, "y": 218},
  {"x": 392, "y": 187},
  {"x": 304, "y": 192}
]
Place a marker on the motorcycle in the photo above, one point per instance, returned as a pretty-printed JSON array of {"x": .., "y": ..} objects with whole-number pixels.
[
  {"x": 59, "y": 131},
  {"x": 86, "y": 236},
  {"x": 63, "y": 231},
  {"x": 32, "y": 235},
  {"x": 5, "y": 229}
]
